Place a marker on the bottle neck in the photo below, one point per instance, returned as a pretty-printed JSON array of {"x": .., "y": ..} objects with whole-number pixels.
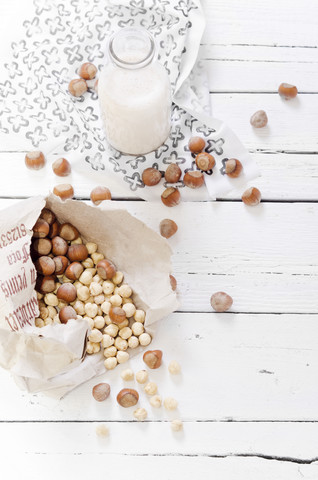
[{"x": 131, "y": 48}]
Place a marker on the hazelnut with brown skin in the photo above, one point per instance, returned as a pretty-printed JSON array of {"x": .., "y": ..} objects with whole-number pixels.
[
  {"x": 196, "y": 144},
  {"x": 173, "y": 283},
  {"x": 127, "y": 397},
  {"x": 153, "y": 358},
  {"x": 41, "y": 228},
  {"x": 77, "y": 253},
  {"x": 61, "y": 167},
  {"x": 101, "y": 391},
  {"x": 42, "y": 246},
  {"x": 45, "y": 284},
  {"x": 48, "y": 216},
  {"x": 106, "y": 269},
  {"x": 61, "y": 264},
  {"x": 74, "y": 271},
  {"x": 204, "y": 161},
  {"x": 54, "y": 229},
  {"x": 171, "y": 197},
  {"x": 68, "y": 232},
  {"x": 59, "y": 246},
  {"x": 45, "y": 265},
  {"x": 151, "y": 176},
  {"x": 173, "y": 173},
  {"x": 77, "y": 87},
  {"x": 99, "y": 194},
  {"x": 259, "y": 119},
  {"x": 221, "y": 301},
  {"x": 67, "y": 292},
  {"x": 67, "y": 313},
  {"x": 287, "y": 91},
  {"x": 117, "y": 315},
  {"x": 233, "y": 167},
  {"x": 35, "y": 160},
  {"x": 64, "y": 191},
  {"x": 168, "y": 228},
  {"x": 87, "y": 71},
  {"x": 251, "y": 197},
  {"x": 193, "y": 179}
]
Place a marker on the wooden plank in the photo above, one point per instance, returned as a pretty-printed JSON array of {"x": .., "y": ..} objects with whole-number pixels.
[
  {"x": 284, "y": 177},
  {"x": 269, "y": 361},
  {"x": 263, "y": 257}
]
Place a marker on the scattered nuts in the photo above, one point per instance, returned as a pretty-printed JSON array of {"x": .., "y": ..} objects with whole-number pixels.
[
  {"x": 66, "y": 313},
  {"x": 176, "y": 425},
  {"x": 101, "y": 391},
  {"x": 127, "y": 397},
  {"x": 170, "y": 403},
  {"x": 171, "y": 197},
  {"x": 98, "y": 194},
  {"x": 74, "y": 270},
  {"x": 127, "y": 375},
  {"x": 151, "y": 388},
  {"x": 64, "y": 191},
  {"x": 35, "y": 160},
  {"x": 173, "y": 173},
  {"x": 173, "y": 283},
  {"x": 41, "y": 228},
  {"x": 287, "y": 91},
  {"x": 106, "y": 269},
  {"x": 155, "y": 401},
  {"x": 151, "y": 176},
  {"x": 140, "y": 414},
  {"x": 196, "y": 144},
  {"x": 66, "y": 292},
  {"x": 251, "y": 196},
  {"x": 221, "y": 301},
  {"x": 77, "y": 253},
  {"x": 153, "y": 358},
  {"x": 193, "y": 179},
  {"x": 61, "y": 167},
  {"x": 259, "y": 119},
  {"x": 233, "y": 168},
  {"x": 77, "y": 87},
  {"x": 142, "y": 376},
  {"x": 204, "y": 161},
  {"x": 167, "y": 228},
  {"x": 174, "y": 367},
  {"x": 87, "y": 71}
]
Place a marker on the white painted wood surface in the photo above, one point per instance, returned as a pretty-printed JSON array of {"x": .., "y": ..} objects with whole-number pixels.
[{"x": 248, "y": 393}]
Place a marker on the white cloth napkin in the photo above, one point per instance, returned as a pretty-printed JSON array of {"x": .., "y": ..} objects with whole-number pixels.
[{"x": 59, "y": 37}]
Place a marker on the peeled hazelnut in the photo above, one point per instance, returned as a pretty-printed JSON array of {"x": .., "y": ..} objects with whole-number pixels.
[
  {"x": 193, "y": 179},
  {"x": 170, "y": 197},
  {"x": 77, "y": 87},
  {"x": 45, "y": 284},
  {"x": 35, "y": 160},
  {"x": 61, "y": 263},
  {"x": 196, "y": 144},
  {"x": 221, "y": 301},
  {"x": 233, "y": 167},
  {"x": 205, "y": 161},
  {"x": 66, "y": 313},
  {"x": 117, "y": 315},
  {"x": 59, "y": 246},
  {"x": 64, "y": 191},
  {"x": 48, "y": 216},
  {"x": 68, "y": 232},
  {"x": 41, "y": 228},
  {"x": 42, "y": 246},
  {"x": 251, "y": 196},
  {"x": 87, "y": 71},
  {"x": 61, "y": 167},
  {"x": 54, "y": 229},
  {"x": 153, "y": 358},
  {"x": 66, "y": 292},
  {"x": 105, "y": 269},
  {"x": 173, "y": 283},
  {"x": 167, "y": 228},
  {"x": 127, "y": 397},
  {"x": 151, "y": 176},
  {"x": 101, "y": 391},
  {"x": 173, "y": 173},
  {"x": 98, "y": 194},
  {"x": 74, "y": 270},
  {"x": 287, "y": 91},
  {"x": 45, "y": 265},
  {"x": 259, "y": 119},
  {"x": 77, "y": 253}
]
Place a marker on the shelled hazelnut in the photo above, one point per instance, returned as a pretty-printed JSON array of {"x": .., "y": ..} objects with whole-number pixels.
[
  {"x": 77, "y": 87},
  {"x": 99, "y": 194},
  {"x": 61, "y": 167},
  {"x": 35, "y": 160}
]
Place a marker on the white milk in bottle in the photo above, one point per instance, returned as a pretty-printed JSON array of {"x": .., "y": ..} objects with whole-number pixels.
[{"x": 134, "y": 94}]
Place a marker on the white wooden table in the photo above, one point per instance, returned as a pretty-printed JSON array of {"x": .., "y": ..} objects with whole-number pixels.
[{"x": 248, "y": 394}]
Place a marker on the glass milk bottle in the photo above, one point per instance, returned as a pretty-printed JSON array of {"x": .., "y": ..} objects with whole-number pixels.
[{"x": 134, "y": 94}]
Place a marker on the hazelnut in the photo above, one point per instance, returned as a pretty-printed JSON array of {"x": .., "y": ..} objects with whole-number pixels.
[
  {"x": 137, "y": 328},
  {"x": 66, "y": 292},
  {"x": 101, "y": 391},
  {"x": 151, "y": 388},
  {"x": 77, "y": 87},
  {"x": 155, "y": 401},
  {"x": 152, "y": 358},
  {"x": 77, "y": 253},
  {"x": 98, "y": 194},
  {"x": 74, "y": 270},
  {"x": 221, "y": 301},
  {"x": 233, "y": 168},
  {"x": 287, "y": 91},
  {"x": 105, "y": 269},
  {"x": 139, "y": 316},
  {"x": 54, "y": 229},
  {"x": 42, "y": 246},
  {"x": 41, "y": 228},
  {"x": 251, "y": 196},
  {"x": 173, "y": 283},
  {"x": 68, "y": 232},
  {"x": 102, "y": 430},
  {"x": 193, "y": 179},
  {"x": 144, "y": 339},
  {"x": 59, "y": 246},
  {"x": 45, "y": 265},
  {"x": 127, "y": 397},
  {"x": 174, "y": 367},
  {"x": 170, "y": 403},
  {"x": 122, "y": 357},
  {"x": 117, "y": 314},
  {"x": 170, "y": 197},
  {"x": 140, "y": 414},
  {"x": 196, "y": 144},
  {"x": 167, "y": 228},
  {"x": 61, "y": 167},
  {"x": 151, "y": 176},
  {"x": 48, "y": 216},
  {"x": 173, "y": 173},
  {"x": 142, "y": 376},
  {"x": 110, "y": 363},
  {"x": 87, "y": 71},
  {"x": 61, "y": 264},
  {"x": 45, "y": 284},
  {"x": 110, "y": 352},
  {"x": 86, "y": 278},
  {"x": 67, "y": 313},
  {"x": 35, "y": 160},
  {"x": 259, "y": 119},
  {"x": 64, "y": 191},
  {"x": 127, "y": 375},
  {"x": 118, "y": 278},
  {"x": 176, "y": 425},
  {"x": 204, "y": 161},
  {"x": 133, "y": 342},
  {"x": 95, "y": 336}
]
